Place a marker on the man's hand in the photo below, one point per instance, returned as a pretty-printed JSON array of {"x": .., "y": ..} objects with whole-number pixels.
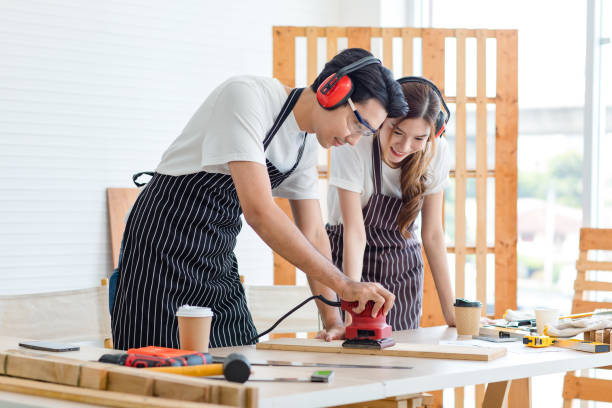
[{"x": 365, "y": 291}]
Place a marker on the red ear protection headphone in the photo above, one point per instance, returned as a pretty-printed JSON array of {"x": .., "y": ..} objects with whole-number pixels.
[
  {"x": 338, "y": 87},
  {"x": 444, "y": 114}
]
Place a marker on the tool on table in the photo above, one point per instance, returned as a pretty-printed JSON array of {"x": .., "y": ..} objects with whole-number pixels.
[
  {"x": 594, "y": 313},
  {"x": 324, "y": 376},
  {"x": 499, "y": 339},
  {"x": 496, "y": 331},
  {"x": 235, "y": 368},
  {"x": 277, "y": 363},
  {"x": 157, "y": 357},
  {"x": 364, "y": 332},
  {"x": 48, "y": 346},
  {"x": 574, "y": 344}
]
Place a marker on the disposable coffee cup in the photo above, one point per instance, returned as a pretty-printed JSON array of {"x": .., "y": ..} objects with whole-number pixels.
[
  {"x": 546, "y": 316},
  {"x": 467, "y": 317},
  {"x": 194, "y": 327}
]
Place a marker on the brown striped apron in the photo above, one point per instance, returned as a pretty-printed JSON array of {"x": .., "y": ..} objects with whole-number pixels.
[{"x": 389, "y": 259}]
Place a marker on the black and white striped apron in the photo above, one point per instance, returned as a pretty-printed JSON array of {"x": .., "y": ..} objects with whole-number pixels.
[
  {"x": 178, "y": 248},
  {"x": 389, "y": 258}
]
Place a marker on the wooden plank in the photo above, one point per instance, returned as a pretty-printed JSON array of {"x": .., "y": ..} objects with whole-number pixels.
[
  {"x": 448, "y": 351},
  {"x": 596, "y": 238},
  {"x": 460, "y": 169},
  {"x": 311, "y": 48},
  {"x": 470, "y": 99},
  {"x": 284, "y": 271},
  {"x": 593, "y": 265},
  {"x": 506, "y": 192},
  {"x": 97, "y": 397},
  {"x": 119, "y": 201},
  {"x": 585, "y": 388},
  {"x": 481, "y": 170},
  {"x": 283, "y": 54},
  {"x": 359, "y": 37},
  {"x": 387, "y": 39},
  {"x": 592, "y": 285}
]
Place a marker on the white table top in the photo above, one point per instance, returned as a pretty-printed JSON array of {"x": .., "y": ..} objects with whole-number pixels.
[{"x": 363, "y": 384}]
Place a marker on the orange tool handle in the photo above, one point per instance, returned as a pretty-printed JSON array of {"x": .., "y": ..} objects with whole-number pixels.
[{"x": 196, "y": 370}]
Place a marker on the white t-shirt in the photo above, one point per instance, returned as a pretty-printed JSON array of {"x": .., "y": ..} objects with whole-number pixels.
[
  {"x": 352, "y": 170},
  {"x": 231, "y": 125}
]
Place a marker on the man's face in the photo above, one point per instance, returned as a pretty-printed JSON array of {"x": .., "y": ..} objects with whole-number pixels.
[{"x": 342, "y": 125}]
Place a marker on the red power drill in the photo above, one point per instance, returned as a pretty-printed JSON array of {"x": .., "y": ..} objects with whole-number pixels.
[
  {"x": 366, "y": 331},
  {"x": 157, "y": 357}
]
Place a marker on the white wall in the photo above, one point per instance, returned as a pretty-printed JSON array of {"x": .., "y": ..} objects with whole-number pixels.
[{"x": 92, "y": 92}]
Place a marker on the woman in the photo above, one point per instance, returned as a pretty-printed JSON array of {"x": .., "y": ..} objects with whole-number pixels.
[
  {"x": 376, "y": 191},
  {"x": 247, "y": 143}
]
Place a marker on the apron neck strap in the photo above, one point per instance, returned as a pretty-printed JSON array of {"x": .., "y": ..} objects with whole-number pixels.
[
  {"x": 284, "y": 112},
  {"x": 377, "y": 165}
]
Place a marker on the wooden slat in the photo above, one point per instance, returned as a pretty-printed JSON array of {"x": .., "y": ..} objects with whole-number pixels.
[
  {"x": 593, "y": 266},
  {"x": 469, "y": 250},
  {"x": 470, "y": 99},
  {"x": 387, "y": 37},
  {"x": 506, "y": 193},
  {"x": 460, "y": 167},
  {"x": 283, "y": 54},
  {"x": 433, "y": 68},
  {"x": 104, "y": 398},
  {"x": 593, "y": 285},
  {"x": 459, "y": 397},
  {"x": 481, "y": 170},
  {"x": 584, "y": 306},
  {"x": 332, "y": 34},
  {"x": 408, "y": 35},
  {"x": 596, "y": 238},
  {"x": 359, "y": 37},
  {"x": 311, "y": 53},
  {"x": 472, "y": 173},
  {"x": 585, "y": 388},
  {"x": 284, "y": 271},
  {"x": 397, "y": 32},
  {"x": 119, "y": 201},
  {"x": 495, "y": 395}
]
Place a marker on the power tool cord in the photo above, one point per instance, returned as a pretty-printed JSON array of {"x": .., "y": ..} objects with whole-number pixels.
[{"x": 320, "y": 297}]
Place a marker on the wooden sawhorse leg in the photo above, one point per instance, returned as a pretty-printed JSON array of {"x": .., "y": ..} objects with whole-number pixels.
[{"x": 517, "y": 391}]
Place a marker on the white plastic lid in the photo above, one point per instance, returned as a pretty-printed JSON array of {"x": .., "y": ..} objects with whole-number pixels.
[{"x": 194, "y": 311}]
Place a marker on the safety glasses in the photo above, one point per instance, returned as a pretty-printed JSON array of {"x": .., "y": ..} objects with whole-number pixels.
[{"x": 363, "y": 127}]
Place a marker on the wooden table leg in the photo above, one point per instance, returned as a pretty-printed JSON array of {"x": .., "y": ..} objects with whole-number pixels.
[
  {"x": 495, "y": 394},
  {"x": 519, "y": 395}
]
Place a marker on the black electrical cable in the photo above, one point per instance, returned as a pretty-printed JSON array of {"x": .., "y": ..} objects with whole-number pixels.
[{"x": 320, "y": 297}]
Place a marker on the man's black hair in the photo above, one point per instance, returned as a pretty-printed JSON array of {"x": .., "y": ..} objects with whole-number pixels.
[{"x": 372, "y": 81}]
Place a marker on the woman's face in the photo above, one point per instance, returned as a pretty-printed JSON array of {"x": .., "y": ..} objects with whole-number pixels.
[
  {"x": 399, "y": 142},
  {"x": 340, "y": 126}
]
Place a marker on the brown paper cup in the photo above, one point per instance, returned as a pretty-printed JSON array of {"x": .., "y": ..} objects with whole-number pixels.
[
  {"x": 467, "y": 318},
  {"x": 194, "y": 327}
]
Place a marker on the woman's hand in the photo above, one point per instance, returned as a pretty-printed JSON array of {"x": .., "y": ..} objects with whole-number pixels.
[{"x": 335, "y": 332}]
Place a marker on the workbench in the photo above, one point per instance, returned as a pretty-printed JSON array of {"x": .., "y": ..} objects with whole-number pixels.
[{"x": 352, "y": 385}]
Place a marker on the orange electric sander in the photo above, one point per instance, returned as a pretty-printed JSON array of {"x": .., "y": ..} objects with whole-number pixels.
[{"x": 365, "y": 331}]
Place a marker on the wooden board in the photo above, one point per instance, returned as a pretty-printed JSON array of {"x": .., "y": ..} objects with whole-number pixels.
[
  {"x": 447, "y": 351},
  {"x": 119, "y": 202}
]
